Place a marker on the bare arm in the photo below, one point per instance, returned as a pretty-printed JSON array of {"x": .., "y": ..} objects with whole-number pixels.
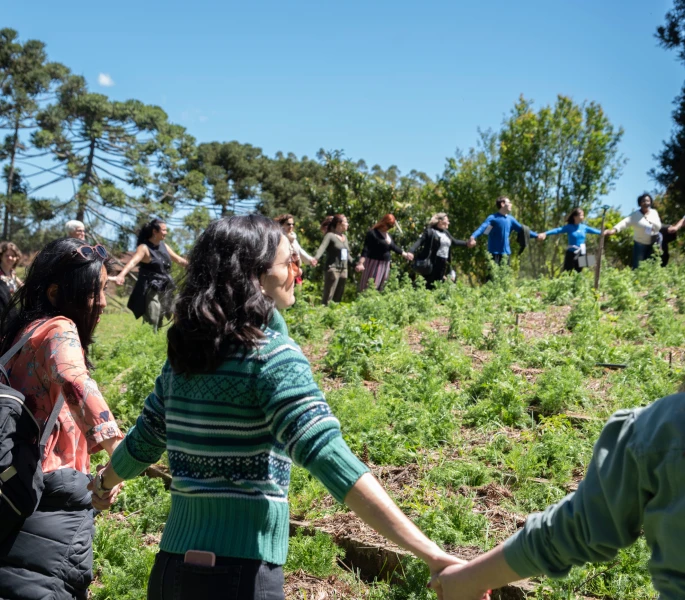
[
  {"x": 372, "y": 505},
  {"x": 677, "y": 226},
  {"x": 141, "y": 253},
  {"x": 176, "y": 258}
]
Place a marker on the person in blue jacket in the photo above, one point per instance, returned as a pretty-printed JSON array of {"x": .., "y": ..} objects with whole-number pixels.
[
  {"x": 577, "y": 231},
  {"x": 498, "y": 228}
]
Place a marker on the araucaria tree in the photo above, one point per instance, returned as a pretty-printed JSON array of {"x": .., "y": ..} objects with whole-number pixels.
[
  {"x": 125, "y": 156},
  {"x": 27, "y": 82}
]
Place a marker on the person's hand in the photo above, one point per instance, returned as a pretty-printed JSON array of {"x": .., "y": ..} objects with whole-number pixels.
[
  {"x": 672, "y": 229},
  {"x": 471, "y": 243},
  {"x": 408, "y": 255},
  {"x": 542, "y": 236},
  {"x": 608, "y": 232},
  {"x": 314, "y": 262},
  {"x": 453, "y": 583},
  {"x": 359, "y": 268},
  {"x": 439, "y": 564},
  {"x": 120, "y": 279},
  {"x": 103, "y": 500}
]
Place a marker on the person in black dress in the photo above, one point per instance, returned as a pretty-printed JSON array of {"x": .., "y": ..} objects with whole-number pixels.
[{"x": 152, "y": 295}]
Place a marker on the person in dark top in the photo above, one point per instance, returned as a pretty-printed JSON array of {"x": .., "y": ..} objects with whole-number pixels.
[
  {"x": 153, "y": 293},
  {"x": 335, "y": 247},
  {"x": 375, "y": 259},
  {"x": 435, "y": 246}
]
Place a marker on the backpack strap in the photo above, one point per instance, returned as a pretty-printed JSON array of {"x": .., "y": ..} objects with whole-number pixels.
[
  {"x": 50, "y": 424},
  {"x": 6, "y": 357}
]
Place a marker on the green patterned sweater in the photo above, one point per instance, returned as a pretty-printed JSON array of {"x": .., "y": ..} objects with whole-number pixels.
[{"x": 231, "y": 436}]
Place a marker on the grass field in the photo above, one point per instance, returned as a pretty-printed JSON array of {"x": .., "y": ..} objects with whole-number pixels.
[{"x": 474, "y": 406}]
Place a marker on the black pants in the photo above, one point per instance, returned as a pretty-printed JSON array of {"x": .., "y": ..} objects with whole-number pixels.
[
  {"x": 229, "y": 579},
  {"x": 571, "y": 261},
  {"x": 499, "y": 257},
  {"x": 438, "y": 272}
]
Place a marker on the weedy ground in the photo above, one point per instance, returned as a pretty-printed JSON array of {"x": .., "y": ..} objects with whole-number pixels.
[{"x": 474, "y": 407}]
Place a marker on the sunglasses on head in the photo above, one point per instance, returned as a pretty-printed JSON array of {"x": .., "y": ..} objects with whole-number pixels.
[{"x": 90, "y": 251}]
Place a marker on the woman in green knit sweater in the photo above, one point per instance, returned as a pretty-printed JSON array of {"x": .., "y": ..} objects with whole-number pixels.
[{"x": 234, "y": 405}]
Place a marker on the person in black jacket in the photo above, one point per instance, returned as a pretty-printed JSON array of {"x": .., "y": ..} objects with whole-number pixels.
[
  {"x": 434, "y": 248},
  {"x": 375, "y": 259}
]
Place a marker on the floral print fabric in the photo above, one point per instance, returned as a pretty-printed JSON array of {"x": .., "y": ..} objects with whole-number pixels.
[{"x": 52, "y": 363}]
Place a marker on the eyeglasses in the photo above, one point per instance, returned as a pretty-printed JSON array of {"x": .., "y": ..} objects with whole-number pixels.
[
  {"x": 90, "y": 251},
  {"x": 293, "y": 265}
]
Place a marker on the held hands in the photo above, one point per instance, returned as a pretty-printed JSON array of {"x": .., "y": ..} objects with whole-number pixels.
[
  {"x": 454, "y": 583},
  {"x": 541, "y": 237},
  {"x": 608, "y": 232},
  {"x": 314, "y": 262},
  {"x": 471, "y": 242},
  {"x": 359, "y": 268},
  {"x": 408, "y": 255},
  {"x": 120, "y": 279},
  {"x": 102, "y": 499}
]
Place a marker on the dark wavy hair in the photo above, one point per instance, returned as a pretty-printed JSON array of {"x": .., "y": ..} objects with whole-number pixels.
[
  {"x": 573, "y": 214},
  {"x": 148, "y": 229},
  {"x": 78, "y": 283},
  {"x": 221, "y": 306}
]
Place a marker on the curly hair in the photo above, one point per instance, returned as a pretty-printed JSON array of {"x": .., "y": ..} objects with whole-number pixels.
[{"x": 221, "y": 305}]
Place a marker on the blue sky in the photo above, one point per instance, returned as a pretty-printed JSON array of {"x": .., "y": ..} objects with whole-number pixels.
[{"x": 403, "y": 83}]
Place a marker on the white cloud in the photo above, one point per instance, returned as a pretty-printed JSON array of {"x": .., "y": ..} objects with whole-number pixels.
[{"x": 105, "y": 80}]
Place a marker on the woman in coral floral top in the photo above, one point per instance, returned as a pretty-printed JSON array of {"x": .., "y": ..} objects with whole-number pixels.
[
  {"x": 61, "y": 303},
  {"x": 51, "y": 363}
]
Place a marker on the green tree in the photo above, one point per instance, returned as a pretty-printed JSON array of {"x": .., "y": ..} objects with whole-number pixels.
[
  {"x": 231, "y": 171},
  {"x": 553, "y": 160},
  {"x": 124, "y": 156},
  {"x": 671, "y": 170},
  {"x": 27, "y": 82},
  {"x": 547, "y": 161}
]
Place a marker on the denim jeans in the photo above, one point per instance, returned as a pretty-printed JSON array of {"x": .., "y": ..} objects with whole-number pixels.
[
  {"x": 229, "y": 579},
  {"x": 641, "y": 252}
]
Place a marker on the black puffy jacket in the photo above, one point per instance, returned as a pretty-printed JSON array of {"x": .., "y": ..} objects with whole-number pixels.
[{"x": 51, "y": 558}]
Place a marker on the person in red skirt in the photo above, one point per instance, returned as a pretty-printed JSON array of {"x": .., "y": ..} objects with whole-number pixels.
[{"x": 375, "y": 259}]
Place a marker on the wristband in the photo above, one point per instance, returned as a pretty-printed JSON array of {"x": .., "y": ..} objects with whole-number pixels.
[{"x": 99, "y": 487}]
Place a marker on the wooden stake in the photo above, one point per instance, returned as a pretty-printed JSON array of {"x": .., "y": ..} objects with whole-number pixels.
[{"x": 600, "y": 249}]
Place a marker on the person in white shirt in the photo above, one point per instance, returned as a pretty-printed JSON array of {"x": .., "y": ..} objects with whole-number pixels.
[
  {"x": 646, "y": 225},
  {"x": 287, "y": 223}
]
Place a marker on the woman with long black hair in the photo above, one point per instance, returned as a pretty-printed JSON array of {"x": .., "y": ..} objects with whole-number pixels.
[
  {"x": 234, "y": 406},
  {"x": 577, "y": 232},
  {"x": 60, "y": 305},
  {"x": 152, "y": 295}
]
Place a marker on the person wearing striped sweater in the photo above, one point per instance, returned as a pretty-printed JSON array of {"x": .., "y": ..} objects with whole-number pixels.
[{"x": 234, "y": 406}]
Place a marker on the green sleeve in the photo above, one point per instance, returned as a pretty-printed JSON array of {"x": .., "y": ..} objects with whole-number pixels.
[
  {"x": 301, "y": 420},
  {"x": 592, "y": 524},
  {"x": 145, "y": 443}
]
